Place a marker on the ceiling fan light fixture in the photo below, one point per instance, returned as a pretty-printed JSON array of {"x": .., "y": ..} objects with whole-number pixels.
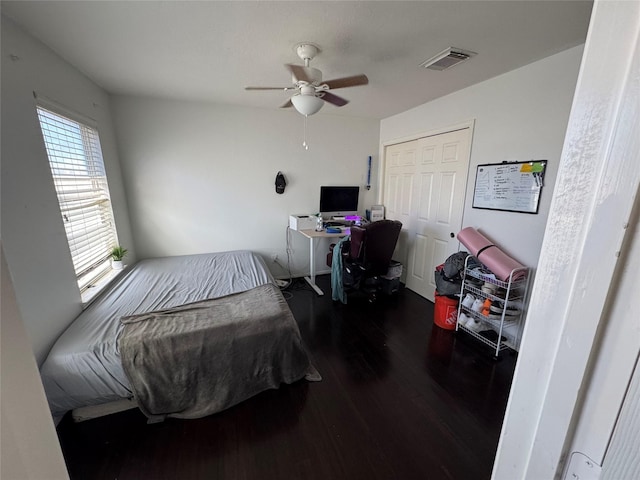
[
  {"x": 311, "y": 92},
  {"x": 307, "y": 104}
]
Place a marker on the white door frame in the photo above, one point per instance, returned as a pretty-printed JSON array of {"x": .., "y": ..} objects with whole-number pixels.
[{"x": 578, "y": 272}]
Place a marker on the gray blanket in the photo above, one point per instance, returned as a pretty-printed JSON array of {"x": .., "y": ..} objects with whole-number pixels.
[{"x": 197, "y": 359}]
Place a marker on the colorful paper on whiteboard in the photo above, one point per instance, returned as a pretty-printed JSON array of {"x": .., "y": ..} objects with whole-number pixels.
[{"x": 537, "y": 167}]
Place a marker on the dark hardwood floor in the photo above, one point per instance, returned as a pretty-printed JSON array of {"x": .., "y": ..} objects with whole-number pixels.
[{"x": 400, "y": 399}]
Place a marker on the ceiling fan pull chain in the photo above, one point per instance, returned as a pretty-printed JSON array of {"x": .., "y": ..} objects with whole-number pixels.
[{"x": 304, "y": 142}]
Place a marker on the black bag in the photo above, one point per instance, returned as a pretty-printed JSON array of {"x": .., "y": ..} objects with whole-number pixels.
[
  {"x": 446, "y": 286},
  {"x": 454, "y": 265},
  {"x": 449, "y": 277}
]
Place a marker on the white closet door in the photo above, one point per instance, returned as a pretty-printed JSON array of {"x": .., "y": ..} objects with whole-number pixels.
[
  {"x": 425, "y": 183},
  {"x": 400, "y": 167}
]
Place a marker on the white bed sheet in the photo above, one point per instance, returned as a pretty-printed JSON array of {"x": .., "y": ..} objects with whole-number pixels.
[{"x": 84, "y": 368}]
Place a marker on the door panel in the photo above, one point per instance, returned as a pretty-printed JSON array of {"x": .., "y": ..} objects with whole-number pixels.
[
  {"x": 420, "y": 253},
  {"x": 408, "y": 157},
  {"x": 433, "y": 172},
  {"x": 428, "y": 154},
  {"x": 441, "y": 249},
  {"x": 446, "y": 199},
  {"x": 391, "y": 196},
  {"x": 398, "y": 192},
  {"x": 450, "y": 152},
  {"x": 425, "y": 198},
  {"x": 394, "y": 158},
  {"x": 405, "y": 194}
]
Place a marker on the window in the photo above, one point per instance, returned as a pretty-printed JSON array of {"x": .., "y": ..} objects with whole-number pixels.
[{"x": 78, "y": 172}]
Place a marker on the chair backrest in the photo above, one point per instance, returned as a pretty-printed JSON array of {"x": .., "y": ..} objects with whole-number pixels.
[{"x": 373, "y": 244}]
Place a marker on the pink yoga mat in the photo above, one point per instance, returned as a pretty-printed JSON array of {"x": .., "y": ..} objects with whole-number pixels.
[{"x": 490, "y": 255}]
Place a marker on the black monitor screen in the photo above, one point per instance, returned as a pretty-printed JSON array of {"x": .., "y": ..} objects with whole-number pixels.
[{"x": 339, "y": 200}]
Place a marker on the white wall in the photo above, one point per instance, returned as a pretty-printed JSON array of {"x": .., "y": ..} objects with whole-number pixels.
[
  {"x": 200, "y": 177},
  {"x": 30, "y": 448},
  {"x": 521, "y": 115},
  {"x": 34, "y": 239}
]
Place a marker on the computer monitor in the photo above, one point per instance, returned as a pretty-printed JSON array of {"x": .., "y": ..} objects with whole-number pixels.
[{"x": 338, "y": 201}]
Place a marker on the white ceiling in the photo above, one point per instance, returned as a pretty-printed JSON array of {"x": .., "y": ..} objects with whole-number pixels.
[{"x": 209, "y": 51}]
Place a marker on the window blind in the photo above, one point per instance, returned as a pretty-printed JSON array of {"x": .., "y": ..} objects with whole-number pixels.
[{"x": 75, "y": 158}]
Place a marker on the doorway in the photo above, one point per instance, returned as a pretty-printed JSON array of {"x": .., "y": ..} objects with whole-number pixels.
[{"x": 424, "y": 187}]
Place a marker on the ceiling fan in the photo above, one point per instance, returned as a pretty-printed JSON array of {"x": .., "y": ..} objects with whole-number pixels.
[{"x": 310, "y": 91}]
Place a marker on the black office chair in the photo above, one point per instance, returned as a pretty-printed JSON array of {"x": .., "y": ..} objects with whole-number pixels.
[{"x": 368, "y": 256}]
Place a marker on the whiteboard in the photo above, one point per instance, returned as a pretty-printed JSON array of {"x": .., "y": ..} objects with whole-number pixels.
[{"x": 511, "y": 187}]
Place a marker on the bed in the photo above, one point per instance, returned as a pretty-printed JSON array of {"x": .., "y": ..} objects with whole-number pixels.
[{"x": 86, "y": 366}]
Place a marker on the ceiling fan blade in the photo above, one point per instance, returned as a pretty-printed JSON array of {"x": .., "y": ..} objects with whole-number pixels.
[
  {"x": 334, "y": 99},
  {"x": 353, "y": 81},
  {"x": 270, "y": 88},
  {"x": 287, "y": 105},
  {"x": 301, "y": 73}
]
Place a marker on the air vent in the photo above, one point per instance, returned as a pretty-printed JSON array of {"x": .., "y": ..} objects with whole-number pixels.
[{"x": 447, "y": 59}]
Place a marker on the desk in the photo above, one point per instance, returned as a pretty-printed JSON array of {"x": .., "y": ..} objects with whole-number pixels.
[{"x": 312, "y": 235}]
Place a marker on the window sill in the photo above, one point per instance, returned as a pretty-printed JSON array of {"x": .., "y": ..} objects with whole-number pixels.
[{"x": 92, "y": 292}]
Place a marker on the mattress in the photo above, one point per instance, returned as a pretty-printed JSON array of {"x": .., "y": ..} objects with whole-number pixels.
[{"x": 84, "y": 368}]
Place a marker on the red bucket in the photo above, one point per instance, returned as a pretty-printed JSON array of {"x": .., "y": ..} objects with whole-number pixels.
[{"x": 445, "y": 313}]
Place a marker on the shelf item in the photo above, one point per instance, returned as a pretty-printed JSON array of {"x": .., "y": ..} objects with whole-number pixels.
[
  {"x": 500, "y": 264},
  {"x": 488, "y": 305}
]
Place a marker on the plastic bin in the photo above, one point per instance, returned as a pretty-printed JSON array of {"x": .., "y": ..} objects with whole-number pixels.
[
  {"x": 445, "y": 312},
  {"x": 390, "y": 286},
  {"x": 394, "y": 270}
]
